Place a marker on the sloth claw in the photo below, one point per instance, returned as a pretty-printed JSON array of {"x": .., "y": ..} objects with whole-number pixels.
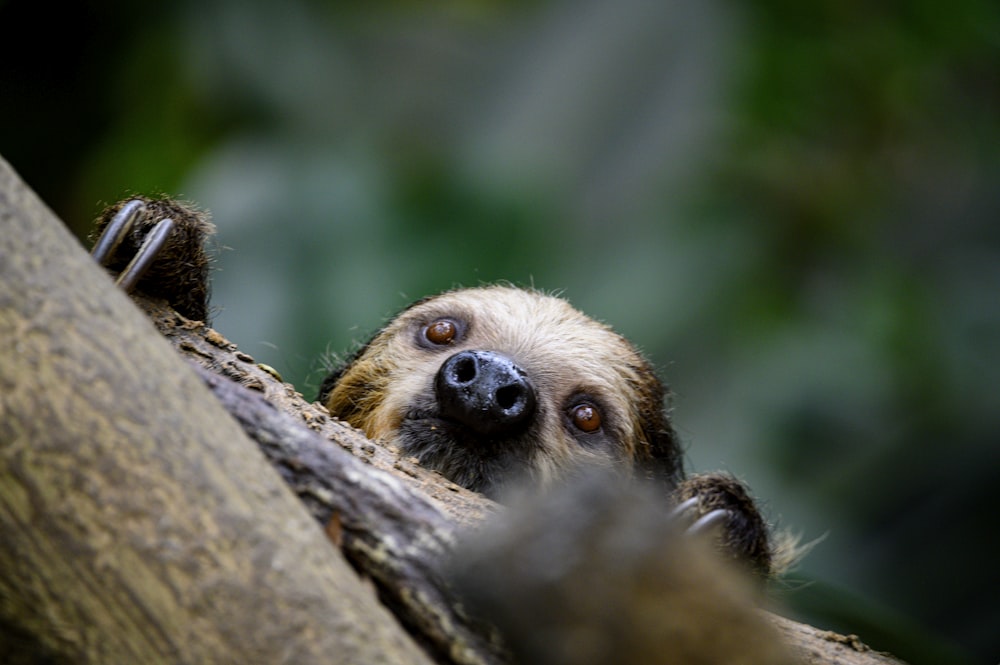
[
  {"x": 685, "y": 509},
  {"x": 116, "y": 230},
  {"x": 119, "y": 226},
  {"x": 147, "y": 254},
  {"x": 686, "y": 512},
  {"x": 710, "y": 521}
]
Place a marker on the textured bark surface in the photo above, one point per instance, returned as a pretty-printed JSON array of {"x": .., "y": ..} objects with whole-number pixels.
[
  {"x": 813, "y": 646},
  {"x": 138, "y": 524}
]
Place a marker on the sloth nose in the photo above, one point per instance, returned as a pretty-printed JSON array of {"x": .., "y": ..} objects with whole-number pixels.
[{"x": 484, "y": 391}]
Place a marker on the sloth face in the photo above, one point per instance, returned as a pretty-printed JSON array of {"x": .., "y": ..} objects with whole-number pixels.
[{"x": 493, "y": 384}]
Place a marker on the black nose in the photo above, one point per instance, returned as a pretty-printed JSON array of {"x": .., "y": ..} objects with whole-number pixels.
[{"x": 485, "y": 391}]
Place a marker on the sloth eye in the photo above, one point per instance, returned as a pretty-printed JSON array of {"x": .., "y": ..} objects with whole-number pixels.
[
  {"x": 441, "y": 332},
  {"x": 586, "y": 417}
]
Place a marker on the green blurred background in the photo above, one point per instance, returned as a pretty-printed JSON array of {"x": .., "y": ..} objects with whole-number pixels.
[{"x": 791, "y": 207}]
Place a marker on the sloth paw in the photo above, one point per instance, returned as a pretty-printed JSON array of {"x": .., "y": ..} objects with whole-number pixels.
[
  {"x": 719, "y": 503},
  {"x": 157, "y": 247}
]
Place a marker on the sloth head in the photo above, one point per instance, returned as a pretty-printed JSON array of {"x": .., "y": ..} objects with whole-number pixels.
[{"x": 494, "y": 384}]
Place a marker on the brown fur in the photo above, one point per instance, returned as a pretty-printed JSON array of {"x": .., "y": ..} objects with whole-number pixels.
[{"x": 385, "y": 389}]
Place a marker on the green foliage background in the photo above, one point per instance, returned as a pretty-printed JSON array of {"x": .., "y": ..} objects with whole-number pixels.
[{"x": 792, "y": 207}]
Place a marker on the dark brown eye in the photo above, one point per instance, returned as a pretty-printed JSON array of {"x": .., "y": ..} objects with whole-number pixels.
[
  {"x": 441, "y": 332},
  {"x": 586, "y": 417}
]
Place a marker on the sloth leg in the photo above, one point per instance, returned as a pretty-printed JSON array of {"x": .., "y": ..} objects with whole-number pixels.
[{"x": 719, "y": 503}]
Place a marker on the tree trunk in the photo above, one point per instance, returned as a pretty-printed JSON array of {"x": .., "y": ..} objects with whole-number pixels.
[{"x": 138, "y": 524}]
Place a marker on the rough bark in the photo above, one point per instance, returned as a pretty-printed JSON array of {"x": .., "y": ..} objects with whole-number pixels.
[
  {"x": 814, "y": 646},
  {"x": 138, "y": 523}
]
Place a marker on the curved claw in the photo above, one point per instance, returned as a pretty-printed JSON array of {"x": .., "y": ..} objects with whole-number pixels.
[
  {"x": 709, "y": 521},
  {"x": 116, "y": 230},
  {"x": 683, "y": 509},
  {"x": 146, "y": 255}
]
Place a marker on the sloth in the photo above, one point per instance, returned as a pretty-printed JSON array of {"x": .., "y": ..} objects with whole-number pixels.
[
  {"x": 495, "y": 384},
  {"x": 494, "y": 387},
  {"x": 498, "y": 386}
]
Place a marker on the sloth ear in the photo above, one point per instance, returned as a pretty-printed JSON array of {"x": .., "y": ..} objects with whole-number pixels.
[
  {"x": 665, "y": 458},
  {"x": 330, "y": 381},
  {"x": 338, "y": 368},
  {"x": 660, "y": 450}
]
